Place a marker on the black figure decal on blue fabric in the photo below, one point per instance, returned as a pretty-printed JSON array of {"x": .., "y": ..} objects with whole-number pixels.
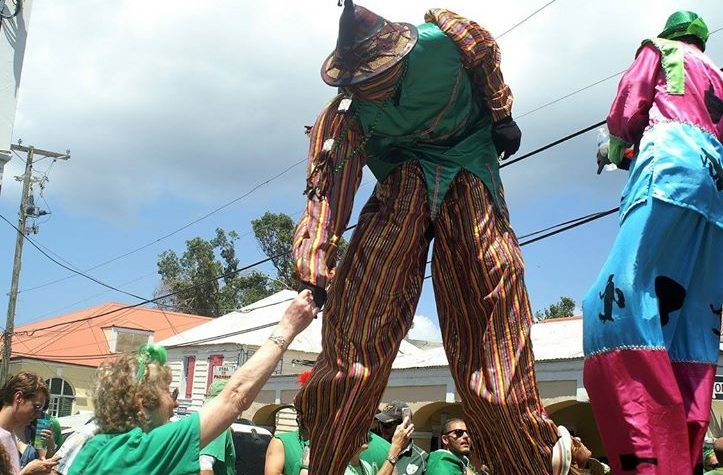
[
  {"x": 717, "y": 312},
  {"x": 630, "y": 462},
  {"x": 715, "y": 169},
  {"x": 611, "y": 295},
  {"x": 671, "y": 296}
]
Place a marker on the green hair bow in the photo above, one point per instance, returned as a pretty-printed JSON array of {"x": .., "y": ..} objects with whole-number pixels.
[{"x": 150, "y": 353}]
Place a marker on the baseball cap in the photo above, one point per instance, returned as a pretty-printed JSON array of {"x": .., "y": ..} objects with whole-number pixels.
[{"x": 392, "y": 412}]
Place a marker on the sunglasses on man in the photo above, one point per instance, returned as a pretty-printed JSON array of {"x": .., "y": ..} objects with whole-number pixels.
[{"x": 457, "y": 433}]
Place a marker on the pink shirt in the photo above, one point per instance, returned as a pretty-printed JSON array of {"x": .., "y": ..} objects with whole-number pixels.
[
  {"x": 643, "y": 98},
  {"x": 10, "y": 444}
]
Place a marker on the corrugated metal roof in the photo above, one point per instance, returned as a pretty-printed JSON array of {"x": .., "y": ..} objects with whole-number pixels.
[
  {"x": 257, "y": 321},
  {"x": 554, "y": 339}
]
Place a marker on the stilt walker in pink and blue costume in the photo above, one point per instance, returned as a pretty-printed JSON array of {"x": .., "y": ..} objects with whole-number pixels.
[{"x": 652, "y": 318}]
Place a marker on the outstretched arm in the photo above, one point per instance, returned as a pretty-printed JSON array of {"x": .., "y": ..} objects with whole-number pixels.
[
  {"x": 245, "y": 384},
  {"x": 336, "y": 160}
]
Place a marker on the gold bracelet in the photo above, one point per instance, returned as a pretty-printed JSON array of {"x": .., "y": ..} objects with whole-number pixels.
[{"x": 280, "y": 341}]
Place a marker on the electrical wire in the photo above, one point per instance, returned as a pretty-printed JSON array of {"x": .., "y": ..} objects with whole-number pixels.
[
  {"x": 507, "y": 163},
  {"x": 576, "y": 222},
  {"x": 57, "y": 262},
  {"x": 176, "y": 231},
  {"x": 268, "y": 259},
  {"x": 526, "y": 18}
]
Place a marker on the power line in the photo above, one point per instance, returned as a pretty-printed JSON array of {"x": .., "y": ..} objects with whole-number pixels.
[
  {"x": 567, "y": 225},
  {"x": 578, "y": 222},
  {"x": 268, "y": 259},
  {"x": 526, "y": 18},
  {"x": 176, "y": 231},
  {"x": 75, "y": 271},
  {"x": 548, "y": 104},
  {"x": 566, "y": 96},
  {"x": 507, "y": 163},
  {"x": 557, "y": 229},
  {"x": 160, "y": 297}
]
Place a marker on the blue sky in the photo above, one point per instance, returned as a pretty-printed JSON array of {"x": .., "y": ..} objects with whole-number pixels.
[{"x": 173, "y": 108}]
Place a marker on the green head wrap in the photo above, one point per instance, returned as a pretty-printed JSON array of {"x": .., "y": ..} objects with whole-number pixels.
[
  {"x": 148, "y": 354},
  {"x": 685, "y": 23}
]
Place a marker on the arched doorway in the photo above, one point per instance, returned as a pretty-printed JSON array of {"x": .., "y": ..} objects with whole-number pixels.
[
  {"x": 276, "y": 417},
  {"x": 579, "y": 420}
]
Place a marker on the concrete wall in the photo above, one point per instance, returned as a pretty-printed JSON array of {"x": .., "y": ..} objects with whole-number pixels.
[
  {"x": 79, "y": 377},
  {"x": 230, "y": 353}
]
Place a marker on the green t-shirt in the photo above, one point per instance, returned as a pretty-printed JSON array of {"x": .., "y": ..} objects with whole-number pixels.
[
  {"x": 444, "y": 462},
  {"x": 171, "y": 449},
  {"x": 364, "y": 468},
  {"x": 412, "y": 460},
  {"x": 715, "y": 471},
  {"x": 375, "y": 455},
  {"x": 377, "y": 452},
  {"x": 222, "y": 449}
]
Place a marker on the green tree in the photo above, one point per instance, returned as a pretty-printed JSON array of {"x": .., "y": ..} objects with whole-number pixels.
[
  {"x": 564, "y": 308},
  {"x": 275, "y": 233},
  {"x": 193, "y": 278}
]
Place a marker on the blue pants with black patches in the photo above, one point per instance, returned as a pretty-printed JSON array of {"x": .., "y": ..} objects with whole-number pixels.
[
  {"x": 661, "y": 287},
  {"x": 651, "y": 338}
]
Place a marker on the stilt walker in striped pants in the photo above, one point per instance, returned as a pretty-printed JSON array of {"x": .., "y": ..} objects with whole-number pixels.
[
  {"x": 427, "y": 109},
  {"x": 652, "y": 318}
]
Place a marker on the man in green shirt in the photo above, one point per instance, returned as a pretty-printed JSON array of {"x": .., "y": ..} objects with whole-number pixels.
[
  {"x": 219, "y": 456},
  {"x": 283, "y": 455},
  {"x": 453, "y": 459},
  {"x": 411, "y": 460},
  {"x": 718, "y": 453}
]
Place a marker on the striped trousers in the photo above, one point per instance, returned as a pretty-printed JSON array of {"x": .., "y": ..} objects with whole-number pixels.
[{"x": 484, "y": 314}]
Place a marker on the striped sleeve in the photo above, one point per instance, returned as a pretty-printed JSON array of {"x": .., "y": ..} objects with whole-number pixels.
[
  {"x": 336, "y": 160},
  {"x": 481, "y": 57}
]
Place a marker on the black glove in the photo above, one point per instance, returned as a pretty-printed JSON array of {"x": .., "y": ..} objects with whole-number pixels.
[
  {"x": 506, "y": 137},
  {"x": 319, "y": 293}
]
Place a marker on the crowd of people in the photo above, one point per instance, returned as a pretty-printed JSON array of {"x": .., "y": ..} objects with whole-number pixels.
[{"x": 427, "y": 109}]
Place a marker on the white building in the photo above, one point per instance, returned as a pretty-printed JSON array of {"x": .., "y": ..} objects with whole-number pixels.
[
  {"x": 421, "y": 377},
  {"x": 213, "y": 350}
]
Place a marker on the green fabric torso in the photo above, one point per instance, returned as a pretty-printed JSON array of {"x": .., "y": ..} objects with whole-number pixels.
[
  {"x": 436, "y": 122},
  {"x": 222, "y": 449},
  {"x": 171, "y": 449}
]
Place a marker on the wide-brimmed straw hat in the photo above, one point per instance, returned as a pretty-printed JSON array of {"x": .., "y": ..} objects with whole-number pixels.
[{"x": 367, "y": 46}]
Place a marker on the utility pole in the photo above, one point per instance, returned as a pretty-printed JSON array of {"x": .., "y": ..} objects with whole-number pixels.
[{"x": 25, "y": 204}]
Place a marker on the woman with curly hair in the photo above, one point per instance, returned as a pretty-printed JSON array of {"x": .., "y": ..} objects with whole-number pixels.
[
  {"x": 24, "y": 396},
  {"x": 133, "y": 405}
]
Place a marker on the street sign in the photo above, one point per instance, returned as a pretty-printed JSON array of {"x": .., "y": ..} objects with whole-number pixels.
[
  {"x": 718, "y": 388},
  {"x": 224, "y": 371}
]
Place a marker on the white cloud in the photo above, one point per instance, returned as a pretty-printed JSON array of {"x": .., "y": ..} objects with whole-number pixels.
[{"x": 423, "y": 328}]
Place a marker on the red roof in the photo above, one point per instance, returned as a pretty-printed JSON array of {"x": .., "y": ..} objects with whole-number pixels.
[
  {"x": 561, "y": 319},
  {"x": 77, "y": 339}
]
